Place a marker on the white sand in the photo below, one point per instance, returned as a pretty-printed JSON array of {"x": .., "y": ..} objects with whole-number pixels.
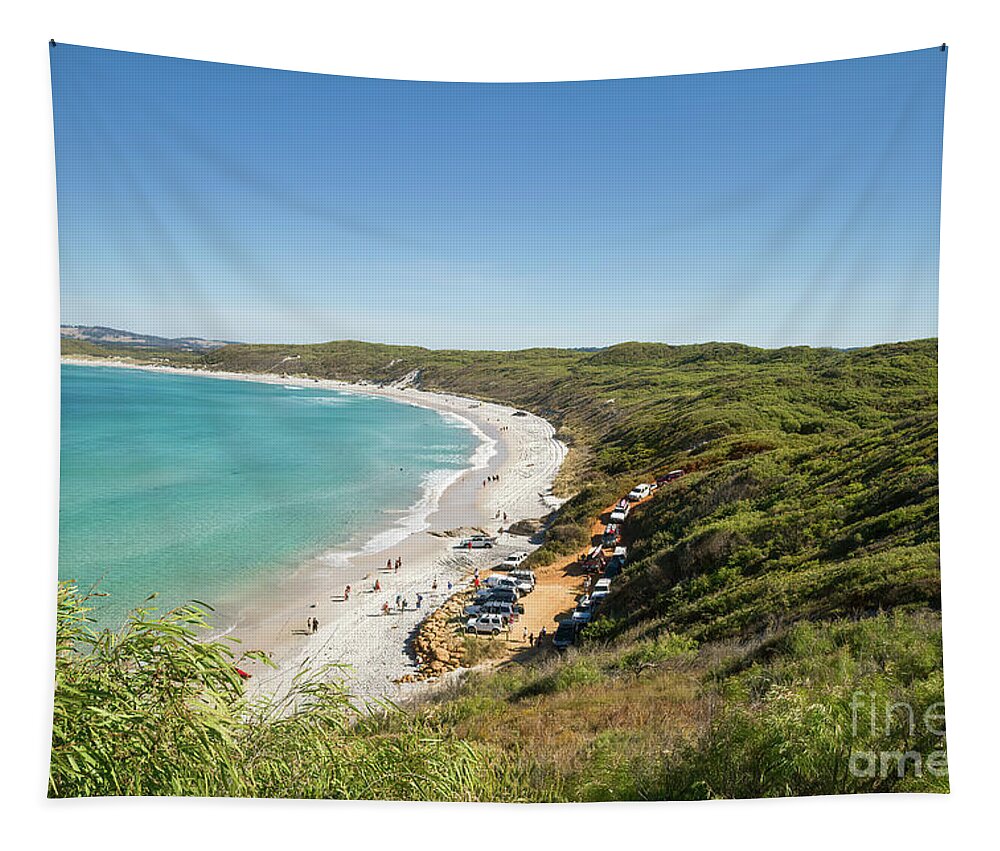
[{"x": 354, "y": 633}]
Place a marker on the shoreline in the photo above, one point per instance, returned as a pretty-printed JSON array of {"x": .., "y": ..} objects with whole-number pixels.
[{"x": 522, "y": 450}]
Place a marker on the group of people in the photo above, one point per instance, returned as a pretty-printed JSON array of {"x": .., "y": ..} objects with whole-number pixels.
[
  {"x": 401, "y": 604},
  {"x": 394, "y": 566},
  {"x": 312, "y": 625},
  {"x": 493, "y": 478},
  {"x": 530, "y": 637}
]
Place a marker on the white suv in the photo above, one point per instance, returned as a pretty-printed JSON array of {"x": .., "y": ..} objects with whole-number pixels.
[
  {"x": 513, "y": 560},
  {"x": 486, "y": 625},
  {"x": 524, "y": 576},
  {"x": 639, "y": 492},
  {"x": 477, "y": 542}
]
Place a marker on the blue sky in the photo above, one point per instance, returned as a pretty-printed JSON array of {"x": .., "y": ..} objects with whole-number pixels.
[{"x": 782, "y": 206}]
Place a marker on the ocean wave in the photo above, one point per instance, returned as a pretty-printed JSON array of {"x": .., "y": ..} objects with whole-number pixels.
[{"x": 433, "y": 485}]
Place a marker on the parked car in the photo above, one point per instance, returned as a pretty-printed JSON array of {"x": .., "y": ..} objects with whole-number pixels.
[
  {"x": 513, "y": 560},
  {"x": 485, "y": 625},
  {"x": 505, "y": 595},
  {"x": 522, "y": 586},
  {"x": 478, "y": 542},
  {"x": 639, "y": 492},
  {"x": 621, "y": 552},
  {"x": 583, "y": 612},
  {"x": 597, "y": 598},
  {"x": 669, "y": 477},
  {"x": 493, "y": 607},
  {"x": 523, "y": 575},
  {"x": 619, "y": 515},
  {"x": 614, "y": 567},
  {"x": 602, "y": 584},
  {"x": 594, "y": 560},
  {"x": 611, "y": 536},
  {"x": 565, "y": 635}
]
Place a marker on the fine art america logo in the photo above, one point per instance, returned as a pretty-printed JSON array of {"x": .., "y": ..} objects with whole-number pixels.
[{"x": 874, "y": 718}]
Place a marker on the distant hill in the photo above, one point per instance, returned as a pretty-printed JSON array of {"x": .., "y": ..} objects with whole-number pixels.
[{"x": 116, "y": 338}]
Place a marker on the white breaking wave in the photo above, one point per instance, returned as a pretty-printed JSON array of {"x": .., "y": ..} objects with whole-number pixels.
[{"x": 433, "y": 485}]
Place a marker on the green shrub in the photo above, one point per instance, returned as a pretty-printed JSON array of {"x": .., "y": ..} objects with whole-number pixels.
[{"x": 648, "y": 654}]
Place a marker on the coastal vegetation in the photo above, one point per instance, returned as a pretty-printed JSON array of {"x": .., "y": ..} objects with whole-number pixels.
[{"x": 776, "y": 631}]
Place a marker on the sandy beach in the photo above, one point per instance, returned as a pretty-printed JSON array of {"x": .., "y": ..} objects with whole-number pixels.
[{"x": 371, "y": 646}]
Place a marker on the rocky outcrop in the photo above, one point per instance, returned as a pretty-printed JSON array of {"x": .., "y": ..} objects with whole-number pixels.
[{"x": 439, "y": 643}]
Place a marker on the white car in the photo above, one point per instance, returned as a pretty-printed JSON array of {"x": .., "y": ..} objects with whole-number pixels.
[
  {"x": 492, "y": 607},
  {"x": 583, "y": 612},
  {"x": 486, "y": 625},
  {"x": 520, "y": 585},
  {"x": 477, "y": 542},
  {"x": 602, "y": 585},
  {"x": 522, "y": 575},
  {"x": 597, "y": 598},
  {"x": 639, "y": 492},
  {"x": 513, "y": 560}
]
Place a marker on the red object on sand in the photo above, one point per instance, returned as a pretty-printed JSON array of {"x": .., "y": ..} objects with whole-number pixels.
[{"x": 243, "y": 673}]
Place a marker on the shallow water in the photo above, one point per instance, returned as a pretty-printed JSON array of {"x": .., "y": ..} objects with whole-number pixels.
[{"x": 189, "y": 486}]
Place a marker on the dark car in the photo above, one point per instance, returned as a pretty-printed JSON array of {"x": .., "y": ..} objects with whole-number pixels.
[
  {"x": 614, "y": 567},
  {"x": 504, "y": 595},
  {"x": 565, "y": 635},
  {"x": 669, "y": 477}
]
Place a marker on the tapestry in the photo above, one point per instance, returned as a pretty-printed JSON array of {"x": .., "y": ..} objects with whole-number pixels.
[{"x": 515, "y": 442}]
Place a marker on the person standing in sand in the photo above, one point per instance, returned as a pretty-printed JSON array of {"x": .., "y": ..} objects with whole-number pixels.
[
  {"x": 388, "y": 564},
  {"x": 378, "y": 586}
]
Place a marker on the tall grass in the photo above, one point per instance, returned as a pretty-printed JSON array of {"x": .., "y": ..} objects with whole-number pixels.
[{"x": 151, "y": 709}]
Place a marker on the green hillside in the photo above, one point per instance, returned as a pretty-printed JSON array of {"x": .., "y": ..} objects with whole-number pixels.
[{"x": 793, "y": 568}]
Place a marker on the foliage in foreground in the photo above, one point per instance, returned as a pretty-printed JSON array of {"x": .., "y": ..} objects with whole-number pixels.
[{"x": 153, "y": 710}]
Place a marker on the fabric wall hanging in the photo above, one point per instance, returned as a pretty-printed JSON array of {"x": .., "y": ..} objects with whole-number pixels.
[{"x": 561, "y": 441}]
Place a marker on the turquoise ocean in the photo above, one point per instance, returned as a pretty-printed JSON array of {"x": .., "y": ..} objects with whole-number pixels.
[{"x": 189, "y": 486}]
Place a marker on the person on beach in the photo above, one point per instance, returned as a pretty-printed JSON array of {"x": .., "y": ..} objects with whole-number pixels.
[
  {"x": 541, "y": 636},
  {"x": 475, "y": 582},
  {"x": 449, "y": 585},
  {"x": 524, "y": 635},
  {"x": 347, "y": 593},
  {"x": 378, "y": 585},
  {"x": 531, "y": 640},
  {"x": 399, "y": 598},
  {"x": 399, "y": 563},
  {"x": 385, "y": 608},
  {"x": 420, "y": 600},
  {"x": 434, "y": 584},
  {"x": 403, "y": 607},
  {"x": 388, "y": 564}
]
